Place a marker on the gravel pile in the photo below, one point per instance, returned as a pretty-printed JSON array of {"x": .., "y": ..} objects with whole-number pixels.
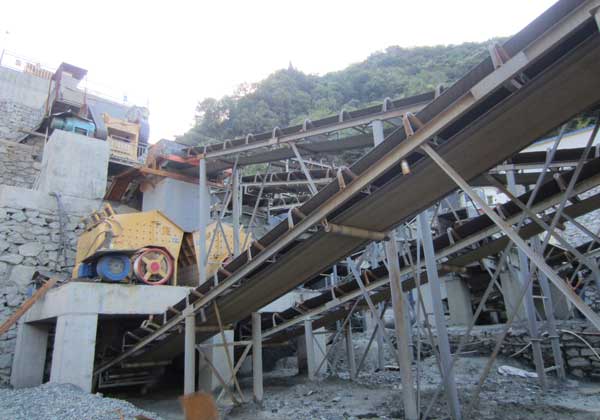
[{"x": 64, "y": 402}]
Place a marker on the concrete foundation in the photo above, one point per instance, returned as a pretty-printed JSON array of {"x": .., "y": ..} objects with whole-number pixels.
[
  {"x": 459, "y": 300},
  {"x": 74, "y": 165},
  {"x": 207, "y": 379},
  {"x": 178, "y": 200},
  {"x": 74, "y": 349},
  {"x": 320, "y": 343},
  {"x": 75, "y": 308},
  {"x": 30, "y": 355}
]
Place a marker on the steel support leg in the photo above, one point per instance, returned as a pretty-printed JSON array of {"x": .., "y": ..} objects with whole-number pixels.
[
  {"x": 402, "y": 338},
  {"x": 440, "y": 321},
  {"x": 518, "y": 241},
  {"x": 189, "y": 385},
  {"x": 549, "y": 312},
  {"x": 378, "y": 137},
  {"x": 204, "y": 216},
  {"x": 311, "y": 184},
  {"x": 237, "y": 210},
  {"x": 257, "y": 368},
  {"x": 524, "y": 274}
]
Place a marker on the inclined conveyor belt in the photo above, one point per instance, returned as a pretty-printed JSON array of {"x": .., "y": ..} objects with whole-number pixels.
[{"x": 477, "y": 123}]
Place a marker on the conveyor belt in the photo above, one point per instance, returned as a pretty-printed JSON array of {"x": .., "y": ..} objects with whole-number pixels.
[{"x": 477, "y": 122}]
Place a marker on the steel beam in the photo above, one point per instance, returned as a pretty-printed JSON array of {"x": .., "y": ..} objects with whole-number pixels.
[
  {"x": 189, "y": 385},
  {"x": 204, "y": 208},
  {"x": 257, "y": 368},
  {"x": 402, "y": 334},
  {"x": 514, "y": 237},
  {"x": 438, "y": 312},
  {"x": 524, "y": 274}
]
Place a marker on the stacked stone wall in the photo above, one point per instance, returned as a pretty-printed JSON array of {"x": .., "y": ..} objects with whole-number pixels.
[
  {"x": 30, "y": 240},
  {"x": 15, "y": 117},
  {"x": 19, "y": 166},
  {"x": 579, "y": 342}
]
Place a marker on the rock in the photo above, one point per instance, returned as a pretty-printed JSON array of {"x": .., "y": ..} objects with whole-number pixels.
[
  {"x": 588, "y": 352},
  {"x": 578, "y": 362},
  {"x": 31, "y": 249},
  {"x": 11, "y": 258},
  {"x": 4, "y": 246},
  {"x": 5, "y": 360},
  {"x": 21, "y": 276},
  {"x": 19, "y": 216}
]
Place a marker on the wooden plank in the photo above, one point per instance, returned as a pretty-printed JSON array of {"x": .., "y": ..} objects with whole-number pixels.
[{"x": 39, "y": 293}]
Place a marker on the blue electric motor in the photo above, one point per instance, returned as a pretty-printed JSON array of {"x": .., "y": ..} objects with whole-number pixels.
[{"x": 114, "y": 267}]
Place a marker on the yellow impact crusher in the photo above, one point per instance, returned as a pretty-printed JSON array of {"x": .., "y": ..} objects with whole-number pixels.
[{"x": 147, "y": 247}]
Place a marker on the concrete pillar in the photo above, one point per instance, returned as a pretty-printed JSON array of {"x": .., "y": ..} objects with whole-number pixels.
[
  {"x": 74, "y": 349},
  {"x": 350, "y": 350},
  {"x": 257, "y": 367},
  {"x": 511, "y": 289},
  {"x": 189, "y": 374},
  {"x": 459, "y": 300},
  {"x": 207, "y": 380},
  {"x": 311, "y": 365},
  {"x": 30, "y": 355},
  {"x": 178, "y": 200}
]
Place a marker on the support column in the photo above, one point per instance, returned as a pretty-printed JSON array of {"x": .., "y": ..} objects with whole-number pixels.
[
  {"x": 204, "y": 216},
  {"x": 440, "y": 321},
  {"x": 378, "y": 137},
  {"x": 510, "y": 292},
  {"x": 524, "y": 274},
  {"x": 257, "y": 368},
  {"x": 351, "y": 358},
  {"x": 74, "y": 349},
  {"x": 236, "y": 210},
  {"x": 30, "y": 355},
  {"x": 402, "y": 339},
  {"x": 459, "y": 300},
  {"x": 380, "y": 348},
  {"x": 189, "y": 385},
  {"x": 310, "y": 349}
]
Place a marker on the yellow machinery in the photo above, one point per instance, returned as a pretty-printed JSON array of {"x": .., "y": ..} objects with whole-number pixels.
[
  {"x": 146, "y": 247},
  {"x": 222, "y": 245}
]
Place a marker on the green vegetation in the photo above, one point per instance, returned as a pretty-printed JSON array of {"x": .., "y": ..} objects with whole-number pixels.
[{"x": 289, "y": 96}]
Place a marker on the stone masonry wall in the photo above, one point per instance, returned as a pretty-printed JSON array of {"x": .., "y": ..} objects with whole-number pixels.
[
  {"x": 15, "y": 116},
  {"x": 579, "y": 343},
  {"x": 18, "y": 166},
  {"x": 30, "y": 240}
]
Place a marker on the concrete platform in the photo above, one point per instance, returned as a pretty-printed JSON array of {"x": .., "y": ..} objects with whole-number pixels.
[{"x": 75, "y": 308}]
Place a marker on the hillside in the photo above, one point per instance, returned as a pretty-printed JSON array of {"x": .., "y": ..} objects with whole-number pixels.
[{"x": 289, "y": 96}]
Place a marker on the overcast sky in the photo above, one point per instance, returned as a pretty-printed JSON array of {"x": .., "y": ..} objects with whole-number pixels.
[{"x": 171, "y": 54}]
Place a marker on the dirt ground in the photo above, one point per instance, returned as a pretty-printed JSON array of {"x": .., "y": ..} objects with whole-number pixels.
[{"x": 377, "y": 395}]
